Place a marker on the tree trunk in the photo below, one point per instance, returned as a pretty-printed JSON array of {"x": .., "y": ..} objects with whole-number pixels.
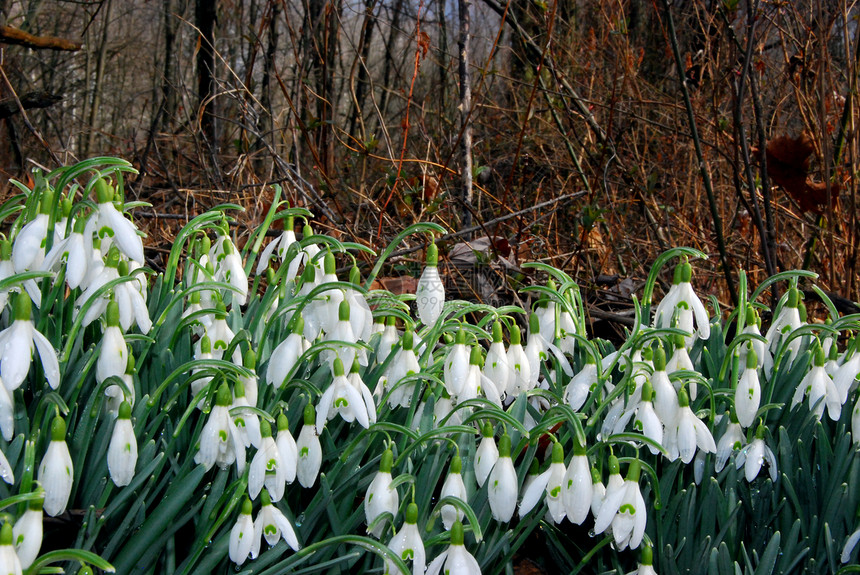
[
  {"x": 465, "y": 111},
  {"x": 97, "y": 86},
  {"x": 204, "y": 18},
  {"x": 357, "y": 115}
]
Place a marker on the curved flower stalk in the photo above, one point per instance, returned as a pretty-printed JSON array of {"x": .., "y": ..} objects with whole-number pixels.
[
  {"x": 229, "y": 269},
  {"x": 16, "y": 348},
  {"x": 733, "y": 439},
  {"x": 27, "y": 532},
  {"x": 786, "y": 322},
  {"x": 819, "y": 388},
  {"x": 486, "y": 455},
  {"x": 287, "y": 449},
  {"x": 624, "y": 509},
  {"x": 430, "y": 293},
  {"x": 267, "y": 467},
  {"x": 309, "y": 448},
  {"x": 577, "y": 486},
  {"x": 9, "y": 562},
  {"x": 748, "y": 391},
  {"x": 122, "y": 451},
  {"x": 286, "y": 354},
  {"x": 682, "y": 298},
  {"x": 112, "y": 224},
  {"x": 341, "y": 398},
  {"x": 408, "y": 545},
  {"x": 56, "y": 470},
  {"x": 496, "y": 367},
  {"x": 456, "y": 559},
  {"x": 242, "y": 535},
  {"x": 273, "y": 525},
  {"x": 381, "y": 497},
  {"x": 502, "y": 490},
  {"x": 220, "y": 441},
  {"x": 453, "y": 486},
  {"x": 754, "y": 455}
]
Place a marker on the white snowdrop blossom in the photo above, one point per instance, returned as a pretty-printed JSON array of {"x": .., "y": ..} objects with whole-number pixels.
[
  {"x": 849, "y": 546},
  {"x": 309, "y": 448},
  {"x": 548, "y": 484},
  {"x": 286, "y": 354},
  {"x": 754, "y": 455},
  {"x": 220, "y": 441},
  {"x": 819, "y": 389},
  {"x": 581, "y": 385},
  {"x": 10, "y": 564},
  {"x": 272, "y": 525},
  {"x": 486, "y": 454},
  {"x": 430, "y": 293},
  {"x": 405, "y": 364},
  {"x": 625, "y": 510},
  {"x": 16, "y": 348},
  {"x": 246, "y": 421},
  {"x": 341, "y": 398},
  {"x": 56, "y": 471},
  {"x": 456, "y": 559},
  {"x": 280, "y": 246},
  {"x": 267, "y": 467},
  {"x": 122, "y": 451},
  {"x": 733, "y": 439},
  {"x": 646, "y": 420},
  {"x": 518, "y": 363},
  {"x": 496, "y": 367},
  {"x": 242, "y": 535},
  {"x": 577, "y": 486},
  {"x": 408, "y": 545},
  {"x": 113, "y": 354},
  {"x": 112, "y": 224},
  {"x": 381, "y": 497},
  {"x": 287, "y": 449},
  {"x": 787, "y": 321},
  {"x": 456, "y": 366},
  {"x": 748, "y": 391},
  {"x": 683, "y": 298},
  {"x": 502, "y": 487},
  {"x": 453, "y": 486},
  {"x": 692, "y": 433},
  {"x": 229, "y": 268},
  {"x": 27, "y": 532}
]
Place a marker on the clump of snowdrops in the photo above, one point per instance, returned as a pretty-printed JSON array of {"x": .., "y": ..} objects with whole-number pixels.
[{"x": 260, "y": 410}]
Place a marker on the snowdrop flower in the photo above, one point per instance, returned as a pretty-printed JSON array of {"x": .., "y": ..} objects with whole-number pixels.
[
  {"x": 820, "y": 389},
  {"x": 360, "y": 315},
  {"x": 113, "y": 354},
  {"x": 220, "y": 441},
  {"x": 310, "y": 450},
  {"x": 325, "y": 309},
  {"x": 7, "y": 418},
  {"x": 281, "y": 244},
  {"x": 850, "y": 543},
  {"x": 122, "y": 451},
  {"x": 683, "y": 298},
  {"x": 28, "y": 249},
  {"x": 754, "y": 455},
  {"x": 287, "y": 449},
  {"x": 598, "y": 490},
  {"x": 748, "y": 391},
  {"x": 272, "y": 525},
  {"x": 221, "y": 335},
  {"x": 16, "y": 348},
  {"x": 476, "y": 384},
  {"x": 246, "y": 421},
  {"x": 680, "y": 361},
  {"x": 405, "y": 364},
  {"x": 732, "y": 440},
  {"x": 453, "y": 486},
  {"x": 455, "y": 560},
  {"x": 354, "y": 378},
  {"x": 665, "y": 396},
  {"x": 6, "y": 472},
  {"x": 381, "y": 496},
  {"x": 545, "y": 315},
  {"x": 7, "y": 270},
  {"x": 503, "y": 485},
  {"x": 242, "y": 535},
  {"x": 456, "y": 366},
  {"x": 624, "y": 510},
  {"x": 646, "y": 561},
  {"x": 430, "y": 293},
  {"x": 387, "y": 339},
  {"x": 578, "y": 488},
  {"x": 203, "y": 351},
  {"x": 765, "y": 359},
  {"x": 691, "y": 432},
  {"x": 342, "y": 331},
  {"x": 229, "y": 268},
  {"x": 341, "y": 398},
  {"x": 56, "y": 470},
  {"x": 786, "y": 321},
  {"x": 76, "y": 252},
  {"x": 9, "y": 562},
  {"x": 132, "y": 303},
  {"x": 581, "y": 385},
  {"x": 519, "y": 364},
  {"x": 286, "y": 354},
  {"x": 647, "y": 420},
  {"x": 249, "y": 382},
  {"x": 486, "y": 454},
  {"x": 113, "y": 224},
  {"x": 496, "y": 363},
  {"x": 116, "y": 393},
  {"x": 407, "y": 544},
  {"x": 536, "y": 349},
  {"x": 845, "y": 377},
  {"x": 550, "y": 484},
  {"x": 267, "y": 467},
  {"x": 566, "y": 331},
  {"x": 27, "y": 533},
  {"x": 98, "y": 303}
]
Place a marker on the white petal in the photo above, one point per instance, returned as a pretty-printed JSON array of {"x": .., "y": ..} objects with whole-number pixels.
[
  {"x": 122, "y": 453},
  {"x": 55, "y": 475},
  {"x": 533, "y": 493}
]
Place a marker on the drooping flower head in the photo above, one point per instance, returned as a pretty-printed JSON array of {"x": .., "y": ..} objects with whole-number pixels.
[
  {"x": 381, "y": 497},
  {"x": 407, "y": 544},
  {"x": 456, "y": 559},
  {"x": 122, "y": 451},
  {"x": 56, "y": 471},
  {"x": 502, "y": 490},
  {"x": 112, "y": 224},
  {"x": 430, "y": 293},
  {"x": 681, "y": 298}
]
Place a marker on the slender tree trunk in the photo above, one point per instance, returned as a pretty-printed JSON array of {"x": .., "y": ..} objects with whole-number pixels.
[
  {"x": 356, "y": 116},
  {"x": 388, "y": 63},
  {"x": 205, "y": 14},
  {"x": 465, "y": 109},
  {"x": 97, "y": 86}
]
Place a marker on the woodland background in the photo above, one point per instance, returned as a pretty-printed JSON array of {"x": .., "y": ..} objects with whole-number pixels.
[{"x": 589, "y": 134}]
